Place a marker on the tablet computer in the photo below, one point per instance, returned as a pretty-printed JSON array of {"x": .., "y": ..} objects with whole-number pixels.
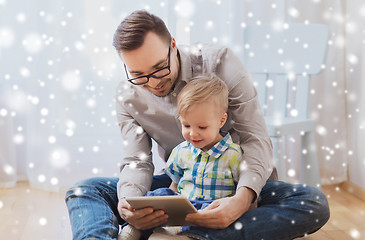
[{"x": 176, "y": 207}]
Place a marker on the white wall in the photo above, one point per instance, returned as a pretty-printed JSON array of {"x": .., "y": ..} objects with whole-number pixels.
[{"x": 356, "y": 85}]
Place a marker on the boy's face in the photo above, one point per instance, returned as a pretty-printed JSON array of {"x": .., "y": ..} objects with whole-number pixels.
[
  {"x": 150, "y": 57},
  {"x": 201, "y": 124}
]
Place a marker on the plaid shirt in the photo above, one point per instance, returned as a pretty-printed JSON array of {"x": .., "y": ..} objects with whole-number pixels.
[{"x": 205, "y": 175}]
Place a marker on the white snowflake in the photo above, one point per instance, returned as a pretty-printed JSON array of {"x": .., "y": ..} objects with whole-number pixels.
[
  {"x": 42, "y": 221},
  {"x": 355, "y": 234},
  {"x": 185, "y": 8},
  {"x": 321, "y": 130},
  {"x": 3, "y": 112},
  {"x": 18, "y": 138},
  {"x": 60, "y": 158},
  {"x": 54, "y": 181},
  {"x": 96, "y": 149},
  {"x": 238, "y": 225},
  {"x": 41, "y": 178},
  {"x": 33, "y": 43},
  {"x": 71, "y": 80},
  {"x": 24, "y": 71},
  {"x": 9, "y": 169},
  {"x": 6, "y": 37}
]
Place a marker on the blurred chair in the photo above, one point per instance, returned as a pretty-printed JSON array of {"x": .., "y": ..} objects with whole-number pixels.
[{"x": 281, "y": 63}]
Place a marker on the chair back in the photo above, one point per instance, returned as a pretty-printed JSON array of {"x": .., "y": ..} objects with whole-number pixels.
[{"x": 281, "y": 62}]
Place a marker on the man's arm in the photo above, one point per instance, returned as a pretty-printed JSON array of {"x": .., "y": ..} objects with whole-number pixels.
[
  {"x": 246, "y": 122},
  {"x": 136, "y": 173},
  {"x": 136, "y": 170},
  {"x": 142, "y": 219},
  {"x": 223, "y": 212}
]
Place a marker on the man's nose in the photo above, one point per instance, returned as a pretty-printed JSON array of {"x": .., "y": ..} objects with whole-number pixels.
[{"x": 153, "y": 82}]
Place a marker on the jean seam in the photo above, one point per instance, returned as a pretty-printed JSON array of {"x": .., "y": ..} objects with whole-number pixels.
[
  {"x": 114, "y": 218},
  {"x": 82, "y": 220}
]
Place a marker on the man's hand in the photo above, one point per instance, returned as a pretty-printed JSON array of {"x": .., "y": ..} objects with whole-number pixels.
[
  {"x": 223, "y": 212},
  {"x": 141, "y": 219}
]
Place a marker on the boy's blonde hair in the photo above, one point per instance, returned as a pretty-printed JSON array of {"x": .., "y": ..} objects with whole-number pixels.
[{"x": 200, "y": 89}]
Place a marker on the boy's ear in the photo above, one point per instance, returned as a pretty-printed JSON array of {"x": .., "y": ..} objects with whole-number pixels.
[{"x": 223, "y": 120}]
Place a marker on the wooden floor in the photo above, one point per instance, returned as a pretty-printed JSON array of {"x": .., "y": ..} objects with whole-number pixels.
[{"x": 31, "y": 214}]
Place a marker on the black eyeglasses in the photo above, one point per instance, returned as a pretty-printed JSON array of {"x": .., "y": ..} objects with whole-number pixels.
[{"x": 163, "y": 72}]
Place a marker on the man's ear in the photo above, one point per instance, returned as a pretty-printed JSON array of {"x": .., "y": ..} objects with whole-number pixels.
[
  {"x": 223, "y": 120},
  {"x": 173, "y": 42}
]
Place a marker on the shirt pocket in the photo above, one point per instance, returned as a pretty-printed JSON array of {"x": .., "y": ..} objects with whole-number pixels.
[{"x": 223, "y": 182}]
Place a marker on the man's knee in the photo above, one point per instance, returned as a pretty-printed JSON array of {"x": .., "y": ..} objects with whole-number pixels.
[
  {"x": 322, "y": 203},
  {"x": 90, "y": 186}
]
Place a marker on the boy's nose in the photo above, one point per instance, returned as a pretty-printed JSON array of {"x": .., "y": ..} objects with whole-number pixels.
[{"x": 193, "y": 133}]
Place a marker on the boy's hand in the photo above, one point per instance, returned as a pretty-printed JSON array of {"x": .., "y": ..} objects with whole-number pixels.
[
  {"x": 141, "y": 219},
  {"x": 223, "y": 212}
]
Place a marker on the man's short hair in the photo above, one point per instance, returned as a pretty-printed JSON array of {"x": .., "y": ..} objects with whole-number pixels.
[
  {"x": 203, "y": 88},
  {"x": 132, "y": 30}
]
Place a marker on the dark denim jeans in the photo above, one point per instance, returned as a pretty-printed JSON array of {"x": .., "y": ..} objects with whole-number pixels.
[{"x": 285, "y": 211}]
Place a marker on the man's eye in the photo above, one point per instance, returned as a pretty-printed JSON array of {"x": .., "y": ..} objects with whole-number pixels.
[
  {"x": 162, "y": 65},
  {"x": 136, "y": 74}
]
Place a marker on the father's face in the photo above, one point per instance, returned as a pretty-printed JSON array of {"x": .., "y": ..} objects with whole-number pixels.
[{"x": 153, "y": 55}]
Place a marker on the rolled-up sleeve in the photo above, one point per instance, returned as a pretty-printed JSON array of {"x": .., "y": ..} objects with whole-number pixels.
[{"x": 246, "y": 120}]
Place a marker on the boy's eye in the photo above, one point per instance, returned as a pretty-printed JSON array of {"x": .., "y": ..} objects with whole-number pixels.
[
  {"x": 203, "y": 128},
  {"x": 187, "y": 126}
]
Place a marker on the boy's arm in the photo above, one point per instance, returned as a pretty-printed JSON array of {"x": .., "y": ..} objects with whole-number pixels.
[
  {"x": 173, "y": 166},
  {"x": 173, "y": 187}
]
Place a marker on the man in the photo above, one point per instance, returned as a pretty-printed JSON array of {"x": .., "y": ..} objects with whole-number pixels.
[{"x": 146, "y": 108}]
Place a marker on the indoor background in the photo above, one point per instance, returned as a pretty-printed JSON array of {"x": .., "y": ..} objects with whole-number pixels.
[{"x": 59, "y": 72}]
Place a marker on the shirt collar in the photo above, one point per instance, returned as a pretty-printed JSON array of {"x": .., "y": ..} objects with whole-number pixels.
[
  {"x": 216, "y": 151},
  {"x": 186, "y": 71}
]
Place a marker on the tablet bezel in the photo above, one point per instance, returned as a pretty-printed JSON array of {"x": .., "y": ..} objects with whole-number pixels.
[{"x": 176, "y": 207}]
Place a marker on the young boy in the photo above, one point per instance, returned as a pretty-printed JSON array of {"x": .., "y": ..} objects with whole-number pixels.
[{"x": 205, "y": 167}]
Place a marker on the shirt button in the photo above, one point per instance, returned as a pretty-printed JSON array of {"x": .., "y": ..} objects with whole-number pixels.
[{"x": 174, "y": 94}]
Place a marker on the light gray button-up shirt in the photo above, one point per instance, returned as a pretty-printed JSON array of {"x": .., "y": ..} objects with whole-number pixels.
[{"x": 142, "y": 116}]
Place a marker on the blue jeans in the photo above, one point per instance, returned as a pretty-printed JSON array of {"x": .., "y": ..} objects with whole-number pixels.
[{"x": 285, "y": 211}]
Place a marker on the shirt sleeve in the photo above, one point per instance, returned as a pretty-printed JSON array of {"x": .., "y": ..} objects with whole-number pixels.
[
  {"x": 247, "y": 122},
  {"x": 136, "y": 170},
  {"x": 174, "y": 170}
]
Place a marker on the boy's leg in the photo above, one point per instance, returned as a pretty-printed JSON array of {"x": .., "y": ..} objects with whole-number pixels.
[
  {"x": 160, "y": 181},
  {"x": 92, "y": 206},
  {"x": 285, "y": 211}
]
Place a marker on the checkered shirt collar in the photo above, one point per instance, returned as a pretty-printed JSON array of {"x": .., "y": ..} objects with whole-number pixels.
[{"x": 216, "y": 151}]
